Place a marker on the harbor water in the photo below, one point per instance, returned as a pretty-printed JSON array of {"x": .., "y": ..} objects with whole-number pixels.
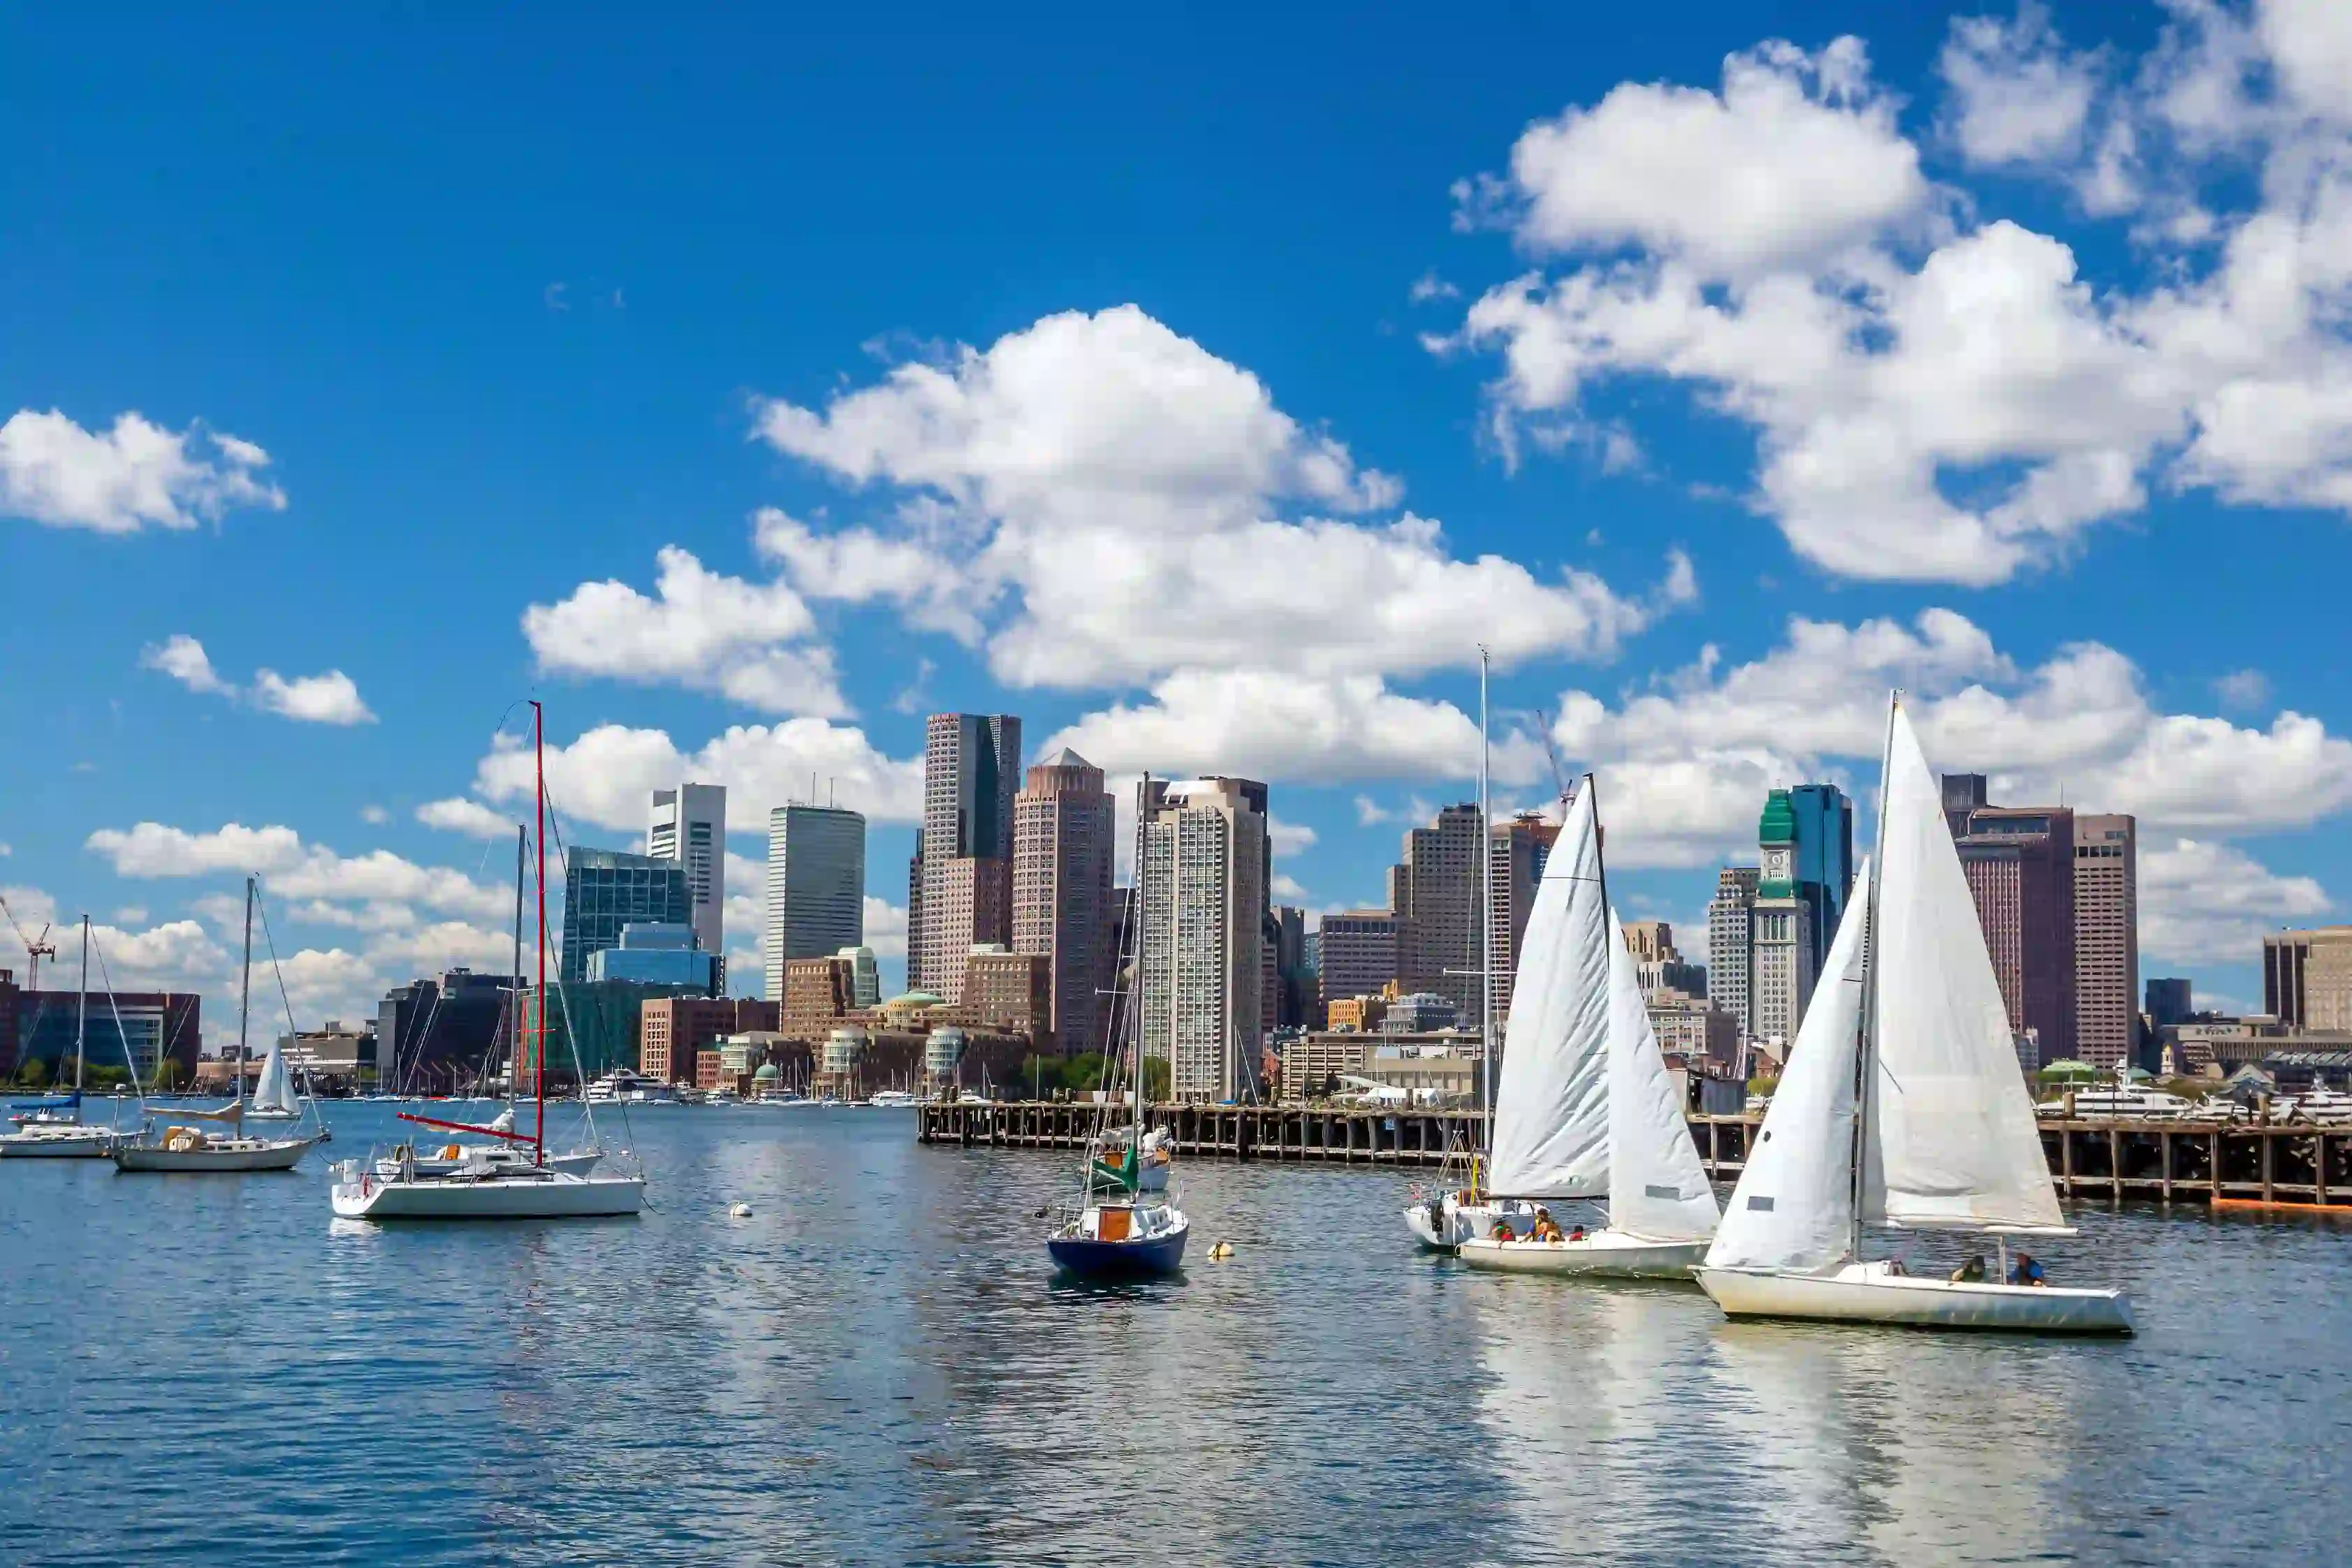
[{"x": 877, "y": 1365}]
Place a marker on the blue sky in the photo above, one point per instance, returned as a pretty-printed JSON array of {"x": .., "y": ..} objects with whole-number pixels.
[{"x": 1200, "y": 386}]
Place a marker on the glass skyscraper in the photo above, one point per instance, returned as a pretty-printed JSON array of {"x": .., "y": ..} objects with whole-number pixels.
[{"x": 604, "y": 890}]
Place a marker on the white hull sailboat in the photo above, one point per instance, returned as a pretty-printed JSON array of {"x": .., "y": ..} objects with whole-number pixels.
[
  {"x": 1586, "y": 1110},
  {"x": 497, "y": 1181},
  {"x": 189, "y": 1150},
  {"x": 1901, "y": 1105},
  {"x": 53, "y": 1130}
]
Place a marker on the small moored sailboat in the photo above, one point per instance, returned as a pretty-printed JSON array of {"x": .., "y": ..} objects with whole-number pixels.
[
  {"x": 53, "y": 1129},
  {"x": 1117, "y": 1229},
  {"x": 1901, "y": 1105}
]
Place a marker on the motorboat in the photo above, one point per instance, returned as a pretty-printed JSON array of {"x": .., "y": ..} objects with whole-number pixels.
[
  {"x": 623, "y": 1087},
  {"x": 1585, "y": 1110},
  {"x": 1901, "y": 1106},
  {"x": 891, "y": 1100},
  {"x": 2120, "y": 1103}
]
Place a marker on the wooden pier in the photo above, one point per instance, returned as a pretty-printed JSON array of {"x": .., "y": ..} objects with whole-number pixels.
[{"x": 2278, "y": 1162}]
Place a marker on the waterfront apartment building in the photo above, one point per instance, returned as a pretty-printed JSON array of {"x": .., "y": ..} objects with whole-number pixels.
[
  {"x": 1014, "y": 992},
  {"x": 604, "y": 890},
  {"x": 1515, "y": 869},
  {"x": 1434, "y": 889},
  {"x": 1731, "y": 944},
  {"x": 1205, "y": 858},
  {"x": 2308, "y": 977},
  {"x": 816, "y": 885},
  {"x": 688, "y": 824},
  {"x": 1065, "y": 837},
  {"x": 433, "y": 1036},
  {"x": 2106, "y": 938},
  {"x": 671, "y": 1029},
  {"x": 1359, "y": 953},
  {"x": 1658, "y": 965},
  {"x": 961, "y": 882},
  {"x": 2019, "y": 864},
  {"x": 1781, "y": 940}
]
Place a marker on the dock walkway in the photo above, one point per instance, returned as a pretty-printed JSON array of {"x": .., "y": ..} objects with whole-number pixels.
[{"x": 2265, "y": 1163}]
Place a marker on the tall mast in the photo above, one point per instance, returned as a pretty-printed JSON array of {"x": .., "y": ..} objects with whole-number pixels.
[
  {"x": 514, "y": 1013},
  {"x": 81, "y": 1016},
  {"x": 1135, "y": 1126},
  {"x": 1482, "y": 917},
  {"x": 245, "y": 993},
  {"x": 1866, "y": 1026},
  {"x": 539, "y": 1092}
]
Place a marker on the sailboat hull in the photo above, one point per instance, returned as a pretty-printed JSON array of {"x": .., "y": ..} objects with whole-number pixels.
[
  {"x": 553, "y": 1195},
  {"x": 1872, "y": 1293},
  {"x": 1109, "y": 1259},
  {"x": 91, "y": 1144},
  {"x": 239, "y": 1156},
  {"x": 1606, "y": 1253},
  {"x": 1443, "y": 1225}
]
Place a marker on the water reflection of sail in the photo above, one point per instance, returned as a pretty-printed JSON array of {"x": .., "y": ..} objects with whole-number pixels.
[
  {"x": 1923, "y": 1449},
  {"x": 1594, "y": 1418}
]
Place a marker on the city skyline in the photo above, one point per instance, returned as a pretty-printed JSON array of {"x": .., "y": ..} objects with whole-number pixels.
[{"x": 748, "y": 527}]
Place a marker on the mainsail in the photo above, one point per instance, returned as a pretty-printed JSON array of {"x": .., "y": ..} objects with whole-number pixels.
[
  {"x": 1793, "y": 1208},
  {"x": 1658, "y": 1189},
  {"x": 275, "y": 1091},
  {"x": 1551, "y": 1108},
  {"x": 1951, "y": 1140}
]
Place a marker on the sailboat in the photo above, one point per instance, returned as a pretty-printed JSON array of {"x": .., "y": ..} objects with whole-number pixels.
[
  {"x": 1441, "y": 1220},
  {"x": 1586, "y": 1110},
  {"x": 190, "y": 1150},
  {"x": 480, "y": 1182},
  {"x": 1117, "y": 1229},
  {"x": 273, "y": 1091},
  {"x": 1901, "y": 1105},
  {"x": 53, "y": 1129}
]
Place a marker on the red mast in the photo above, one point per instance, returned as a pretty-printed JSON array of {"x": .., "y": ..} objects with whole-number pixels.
[{"x": 538, "y": 763}]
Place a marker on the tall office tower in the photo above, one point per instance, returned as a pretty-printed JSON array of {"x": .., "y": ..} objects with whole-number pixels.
[
  {"x": 816, "y": 886},
  {"x": 1514, "y": 870},
  {"x": 1825, "y": 865},
  {"x": 2308, "y": 977},
  {"x": 688, "y": 825},
  {"x": 604, "y": 890},
  {"x": 2019, "y": 864},
  {"x": 1204, "y": 860},
  {"x": 914, "y": 911},
  {"x": 1361, "y": 952},
  {"x": 1731, "y": 944},
  {"x": 971, "y": 769},
  {"x": 2106, "y": 938},
  {"x": 1435, "y": 889},
  {"x": 1780, "y": 950},
  {"x": 2168, "y": 1001},
  {"x": 1065, "y": 830},
  {"x": 1287, "y": 925},
  {"x": 1650, "y": 941}
]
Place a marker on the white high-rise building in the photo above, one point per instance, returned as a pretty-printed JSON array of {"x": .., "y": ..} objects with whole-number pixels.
[
  {"x": 688, "y": 825},
  {"x": 865, "y": 977},
  {"x": 1204, "y": 876},
  {"x": 816, "y": 886}
]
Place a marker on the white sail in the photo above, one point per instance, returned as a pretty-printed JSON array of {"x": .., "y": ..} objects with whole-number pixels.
[
  {"x": 1952, "y": 1141},
  {"x": 1658, "y": 1188},
  {"x": 1793, "y": 1208},
  {"x": 1551, "y": 1108},
  {"x": 275, "y": 1091}
]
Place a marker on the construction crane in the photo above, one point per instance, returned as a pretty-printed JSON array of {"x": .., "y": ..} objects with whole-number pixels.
[
  {"x": 36, "y": 947},
  {"x": 1552, "y": 754}
]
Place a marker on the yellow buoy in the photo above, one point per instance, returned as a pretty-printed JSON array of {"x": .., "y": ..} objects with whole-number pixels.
[{"x": 1220, "y": 1251}]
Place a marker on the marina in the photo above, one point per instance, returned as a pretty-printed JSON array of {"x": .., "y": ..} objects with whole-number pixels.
[
  {"x": 2089, "y": 1158},
  {"x": 690, "y": 1385}
]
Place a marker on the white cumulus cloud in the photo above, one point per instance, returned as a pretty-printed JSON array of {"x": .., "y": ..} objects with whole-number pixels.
[{"x": 134, "y": 475}]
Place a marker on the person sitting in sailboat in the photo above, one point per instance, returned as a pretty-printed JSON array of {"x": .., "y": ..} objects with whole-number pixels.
[
  {"x": 2026, "y": 1270},
  {"x": 1546, "y": 1228}
]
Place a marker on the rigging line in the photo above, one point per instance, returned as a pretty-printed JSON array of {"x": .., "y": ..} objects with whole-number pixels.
[
  {"x": 121, "y": 1037},
  {"x": 291, "y": 1029},
  {"x": 563, "y": 1002}
]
